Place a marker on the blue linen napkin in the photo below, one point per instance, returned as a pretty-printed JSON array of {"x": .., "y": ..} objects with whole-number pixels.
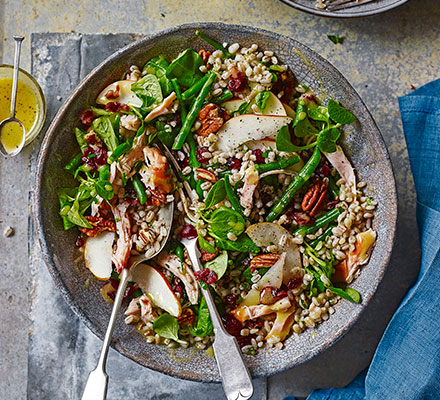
[{"x": 406, "y": 364}]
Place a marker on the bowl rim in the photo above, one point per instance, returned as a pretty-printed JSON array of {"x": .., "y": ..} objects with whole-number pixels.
[
  {"x": 38, "y": 181},
  {"x": 350, "y": 14}
]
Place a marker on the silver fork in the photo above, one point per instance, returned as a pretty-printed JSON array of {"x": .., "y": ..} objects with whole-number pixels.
[
  {"x": 236, "y": 379},
  {"x": 334, "y": 5}
]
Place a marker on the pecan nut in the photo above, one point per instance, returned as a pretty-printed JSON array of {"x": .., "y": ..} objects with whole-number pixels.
[
  {"x": 206, "y": 256},
  {"x": 211, "y": 118},
  {"x": 264, "y": 261},
  {"x": 187, "y": 317},
  {"x": 113, "y": 94},
  {"x": 205, "y": 54},
  {"x": 206, "y": 175},
  {"x": 157, "y": 198},
  {"x": 99, "y": 225},
  {"x": 314, "y": 198}
]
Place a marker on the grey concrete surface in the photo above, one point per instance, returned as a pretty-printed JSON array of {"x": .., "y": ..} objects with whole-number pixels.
[{"x": 381, "y": 56}]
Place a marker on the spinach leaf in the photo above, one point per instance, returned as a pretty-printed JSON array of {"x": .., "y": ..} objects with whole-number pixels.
[
  {"x": 204, "y": 325},
  {"x": 349, "y": 294},
  {"x": 79, "y": 134},
  {"x": 243, "y": 244},
  {"x": 218, "y": 264},
  {"x": 327, "y": 139},
  {"x": 148, "y": 89},
  {"x": 158, "y": 67},
  {"x": 100, "y": 111},
  {"x": 167, "y": 326},
  {"x": 284, "y": 143},
  {"x": 216, "y": 194},
  {"x": 204, "y": 244},
  {"x": 164, "y": 135},
  {"x": 335, "y": 39},
  {"x": 339, "y": 114},
  {"x": 261, "y": 100},
  {"x": 224, "y": 220},
  {"x": 66, "y": 196},
  {"x": 103, "y": 127},
  {"x": 185, "y": 68}
]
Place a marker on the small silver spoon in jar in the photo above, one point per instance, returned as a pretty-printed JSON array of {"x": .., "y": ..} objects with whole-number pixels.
[{"x": 11, "y": 126}]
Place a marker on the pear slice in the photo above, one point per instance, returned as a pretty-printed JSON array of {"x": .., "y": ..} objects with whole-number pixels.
[
  {"x": 273, "y": 106},
  {"x": 98, "y": 254},
  {"x": 289, "y": 110},
  {"x": 247, "y": 127},
  {"x": 126, "y": 96},
  {"x": 265, "y": 234},
  {"x": 154, "y": 284}
]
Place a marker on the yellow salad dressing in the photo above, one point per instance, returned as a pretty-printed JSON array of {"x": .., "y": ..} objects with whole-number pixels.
[{"x": 26, "y": 111}]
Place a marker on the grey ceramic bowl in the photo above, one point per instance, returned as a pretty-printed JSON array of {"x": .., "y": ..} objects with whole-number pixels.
[
  {"x": 363, "y": 143},
  {"x": 362, "y": 10}
]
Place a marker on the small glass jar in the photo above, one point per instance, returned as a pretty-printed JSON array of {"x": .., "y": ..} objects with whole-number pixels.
[{"x": 6, "y": 71}]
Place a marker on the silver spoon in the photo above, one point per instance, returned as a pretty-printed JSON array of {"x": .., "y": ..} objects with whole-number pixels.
[
  {"x": 12, "y": 120},
  {"x": 97, "y": 382}
]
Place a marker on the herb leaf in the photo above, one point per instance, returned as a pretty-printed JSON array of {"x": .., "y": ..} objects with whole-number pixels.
[
  {"x": 318, "y": 113},
  {"x": 261, "y": 100},
  {"x": 167, "y": 326},
  {"x": 204, "y": 244},
  {"x": 242, "y": 109},
  {"x": 327, "y": 139},
  {"x": 349, "y": 294},
  {"x": 336, "y": 39},
  {"x": 284, "y": 143},
  {"x": 216, "y": 194},
  {"x": 243, "y": 243},
  {"x": 339, "y": 114},
  {"x": 219, "y": 264}
]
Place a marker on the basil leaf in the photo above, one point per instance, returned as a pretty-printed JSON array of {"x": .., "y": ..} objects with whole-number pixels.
[
  {"x": 284, "y": 143},
  {"x": 327, "y": 139},
  {"x": 185, "y": 68},
  {"x": 318, "y": 113},
  {"x": 204, "y": 325},
  {"x": 339, "y": 114},
  {"x": 348, "y": 294},
  {"x": 103, "y": 127},
  {"x": 261, "y": 100},
  {"x": 335, "y": 39},
  {"x": 219, "y": 264},
  {"x": 216, "y": 194},
  {"x": 158, "y": 67},
  {"x": 226, "y": 220},
  {"x": 243, "y": 243},
  {"x": 204, "y": 244},
  {"x": 148, "y": 89},
  {"x": 167, "y": 326}
]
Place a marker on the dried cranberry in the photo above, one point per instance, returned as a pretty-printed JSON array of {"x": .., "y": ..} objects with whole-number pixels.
[
  {"x": 199, "y": 154},
  {"x": 231, "y": 300},
  {"x": 177, "y": 289},
  {"x": 238, "y": 82},
  {"x": 206, "y": 275},
  {"x": 188, "y": 232},
  {"x": 324, "y": 170},
  {"x": 233, "y": 163},
  {"x": 80, "y": 241},
  {"x": 244, "y": 341},
  {"x": 94, "y": 157},
  {"x": 114, "y": 106},
  {"x": 294, "y": 283},
  {"x": 87, "y": 118},
  {"x": 330, "y": 205},
  {"x": 301, "y": 218},
  {"x": 114, "y": 283},
  {"x": 232, "y": 324},
  {"x": 129, "y": 291},
  {"x": 279, "y": 294},
  {"x": 211, "y": 278},
  {"x": 259, "y": 159}
]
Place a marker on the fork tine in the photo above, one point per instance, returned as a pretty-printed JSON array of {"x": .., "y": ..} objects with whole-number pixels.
[{"x": 335, "y": 5}]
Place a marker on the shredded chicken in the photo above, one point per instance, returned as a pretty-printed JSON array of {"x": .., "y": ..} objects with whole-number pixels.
[
  {"x": 251, "y": 312},
  {"x": 141, "y": 308},
  {"x": 121, "y": 253},
  {"x": 156, "y": 174},
  {"x": 343, "y": 166},
  {"x": 251, "y": 178},
  {"x": 172, "y": 263},
  {"x": 132, "y": 157},
  {"x": 130, "y": 122},
  {"x": 162, "y": 108},
  {"x": 282, "y": 324}
]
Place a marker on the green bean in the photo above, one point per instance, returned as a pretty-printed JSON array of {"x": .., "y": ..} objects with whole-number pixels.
[
  {"x": 74, "y": 163},
  {"x": 225, "y": 96},
  {"x": 193, "y": 112},
  {"x": 334, "y": 189},
  {"x": 117, "y": 127},
  {"x": 195, "y": 88},
  {"x": 119, "y": 151},
  {"x": 214, "y": 44},
  {"x": 280, "y": 164},
  {"x": 323, "y": 220},
  {"x": 322, "y": 237},
  {"x": 199, "y": 189},
  {"x": 193, "y": 162},
  {"x": 175, "y": 84},
  {"x": 296, "y": 184},
  {"x": 140, "y": 190},
  {"x": 232, "y": 196}
]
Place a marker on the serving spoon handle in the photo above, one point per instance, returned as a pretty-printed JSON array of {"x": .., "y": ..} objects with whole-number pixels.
[
  {"x": 97, "y": 382},
  {"x": 237, "y": 382}
]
